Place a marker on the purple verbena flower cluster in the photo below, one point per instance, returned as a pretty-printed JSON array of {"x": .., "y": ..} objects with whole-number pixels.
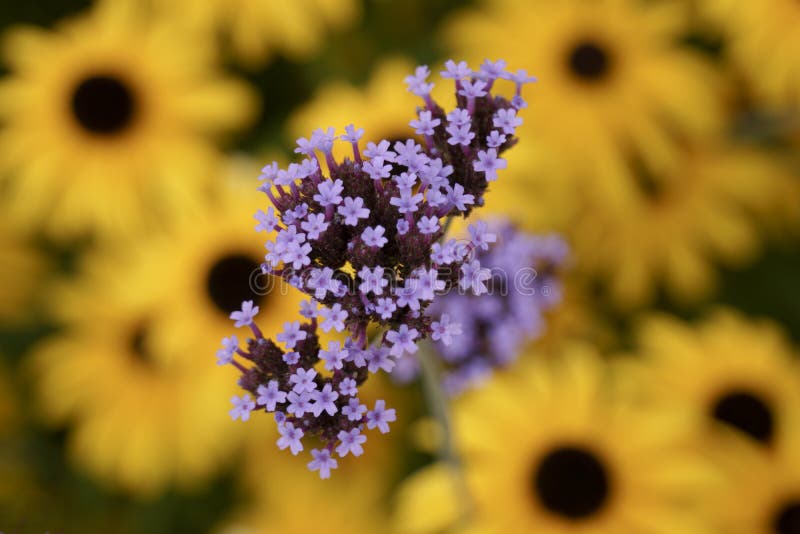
[
  {"x": 364, "y": 239},
  {"x": 493, "y": 328}
]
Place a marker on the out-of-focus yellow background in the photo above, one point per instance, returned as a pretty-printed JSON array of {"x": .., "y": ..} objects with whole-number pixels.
[{"x": 662, "y": 141}]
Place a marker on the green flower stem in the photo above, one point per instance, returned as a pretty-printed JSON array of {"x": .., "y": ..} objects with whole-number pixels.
[{"x": 439, "y": 407}]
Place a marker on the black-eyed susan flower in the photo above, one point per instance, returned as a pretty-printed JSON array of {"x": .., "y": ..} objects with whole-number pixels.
[
  {"x": 132, "y": 372},
  {"x": 612, "y": 77},
  {"x": 763, "y": 43},
  {"x": 761, "y": 494},
  {"x": 669, "y": 230},
  {"x": 729, "y": 371},
  {"x": 554, "y": 447},
  {"x": 257, "y": 30},
  {"x": 115, "y": 129}
]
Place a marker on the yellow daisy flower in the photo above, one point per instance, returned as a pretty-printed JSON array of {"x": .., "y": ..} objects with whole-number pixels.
[
  {"x": 383, "y": 107},
  {"x": 764, "y": 44},
  {"x": 256, "y": 29},
  {"x": 670, "y": 229},
  {"x": 134, "y": 368},
  {"x": 21, "y": 270},
  {"x": 552, "y": 447},
  {"x": 612, "y": 78},
  {"x": 115, "y": 127},
  {"x": 762, "y": 492},
  {"x": 731, "y": 372}
]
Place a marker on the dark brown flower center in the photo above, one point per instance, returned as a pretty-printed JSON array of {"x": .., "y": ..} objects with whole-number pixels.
[
  {"x": 589, "y": 61},
  {"x": 747, "y": 412},
  {"x": 231, "y": 280},
  {"x": 787, "y": 520},
  {"x": 572, "y": 482},
  {"x": 103, "y": 105}
]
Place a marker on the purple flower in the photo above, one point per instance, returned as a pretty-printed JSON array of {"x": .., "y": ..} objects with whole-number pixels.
[
  {"x": 324, "y": 401},
  {"x": 372, "y": 280},
  {"x": 348, "y": 388},
  {"x": 321, "y": 281},
  {"x": 308, "y": 308},
  {"x": 377, "y": 169},
  {"x": 304, "y": 147},
  {"x": 444, "y": 330},
  {"x": 495, "y": 139},
  {"x": 457, "y": 197},
  {"x": 291, "y": 334},
  {"x": 354, "y": 410},
  {"x": 443, "y": 254},
  {"x": 269, "y": 173},
  {"x": 225, "y": 354},
  {"x": 297, "y": 255},
  {"x": 242, "y": 406},
  {"x": 520, "y": 77},
  {"x": 381, "y": 417},
  {"x": 472, "y": 90},
  {"x": 407, "y": 202},
  {"x": 408, "y": 295},
  {"x": 428, "y": 225},
  {"x": 329, "y": 193},
  {"x": 460, "y": 135},
  {"x": 334, "y": 357},
  {"x": 402, "y": 340},
  {"x": 489, "y": 164},
  {"x": 266, "y": 221},
  {"x": 322, "y": 462},
  {"x": 491, "y": 70},
  {"x": 425, "y": 124},
  {"x": 314, "y": 225},
  {"x": 322, "y": 140},
  {"x": 507, "y": 120},
  {"x": 270, "y": 395},
  {"x": 303, "y": 380},
  {"x": 245, "y": 317},
  {"x": 291, "y": 358},
  {"x": 334, "y": 317},
  {"x": 417, "y": 82},
  {"x": 456, "y": 71},
  {"x": 480, "y": 235},
  {"x": 381, "y": 150},
  {"x": 353, "y": 210},
  {"x": 473, "y": 277},
  {"x": 459, "y": 117},
  {"x": 378, "y": 358},
  {"x": 350, "y": 442},
  {"x": 406, "y": 152},
  {"x": 403, "y": 227},
  {"x": 373, "y": 237},
  {"x": 385, "y": 307},
  {"x": 290, "y": 437},
  {"x": 297, "y": 214},
  {"x": 351, "y": 134},
  {"x": 406, "y": 180},
  {"x": 299, "y": 403}
]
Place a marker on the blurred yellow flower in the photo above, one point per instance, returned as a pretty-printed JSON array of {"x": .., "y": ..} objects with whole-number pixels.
[
  {"x": 134, "y": 369},
  {"x": 552, "y": 447},
  {"x": 613, "y": 80},
  {"x": 383, "y": 107},
  {"x": 114, "y": 128},
  {"x": 669, "y": 229},
  {"x": 21, "y": 270},
  {"x": 257, "y": 29},
  {"x": 730, "y": 370},
  {"x": 764, "y": 44},
  {"x": 762, "y": 492}
]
